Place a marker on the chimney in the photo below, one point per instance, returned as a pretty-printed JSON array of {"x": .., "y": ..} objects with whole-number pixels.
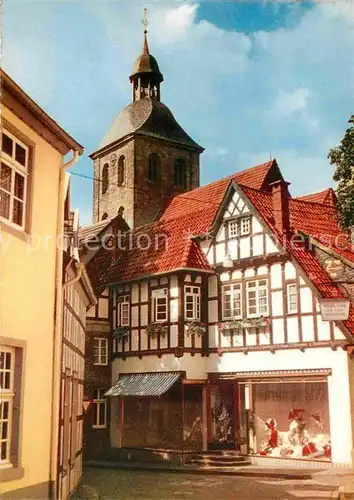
[{"x": 280, "y": 195}]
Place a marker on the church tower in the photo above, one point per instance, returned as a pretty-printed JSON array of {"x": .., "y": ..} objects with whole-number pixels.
[{"x": 146, "y": 157}]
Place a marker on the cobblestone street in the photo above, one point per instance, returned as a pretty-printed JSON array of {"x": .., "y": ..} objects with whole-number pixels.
[{"x": 115, "y": 484}]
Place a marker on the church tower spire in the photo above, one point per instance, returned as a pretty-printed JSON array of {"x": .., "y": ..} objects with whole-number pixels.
[{"x": 146, "y": 76}]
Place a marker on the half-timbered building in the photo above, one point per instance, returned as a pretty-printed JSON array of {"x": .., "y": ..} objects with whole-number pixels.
[
  {"x": 208, "y": 333},
  {"x": 213, "y": 332}
]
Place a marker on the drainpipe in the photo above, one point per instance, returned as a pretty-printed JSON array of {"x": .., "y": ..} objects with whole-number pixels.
[{"x": 58, "y": 332}]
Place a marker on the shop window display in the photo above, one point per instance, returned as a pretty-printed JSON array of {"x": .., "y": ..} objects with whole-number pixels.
[{"x": 291, "y": 420}]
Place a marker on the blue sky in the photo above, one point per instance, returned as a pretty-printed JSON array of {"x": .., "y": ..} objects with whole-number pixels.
[{"x": 246, "y": 80}]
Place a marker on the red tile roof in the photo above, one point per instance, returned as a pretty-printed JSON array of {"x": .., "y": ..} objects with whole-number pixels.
[
  {"x": 156, "y": 248},
  {"x": 315, "y": 220},
  {"x": 326, "y": 197},
  {"x": 211, "y": 195}
]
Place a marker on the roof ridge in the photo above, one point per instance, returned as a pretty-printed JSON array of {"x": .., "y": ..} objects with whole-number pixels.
[
  {"x": 228, "y": 177},
  {"x": 297, "y": 200}
]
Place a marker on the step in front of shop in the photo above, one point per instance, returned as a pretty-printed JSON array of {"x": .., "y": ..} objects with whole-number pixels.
[{"x": 218, "y": 459}]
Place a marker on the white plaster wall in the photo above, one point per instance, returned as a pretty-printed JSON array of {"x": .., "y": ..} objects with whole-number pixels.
[
  {"x": 290, "y": 271},
  {"x": 258, "y": 245},
  {"x": 306, "y": 300},
  {"x": 278, "y": 331},
  {"x": 308, "y": 333},
  {"x": 220, "y": 252},
  {"x": 277, "y": 303},
  {"x": 174, "y": 286},
  {"x": 275, "y": 272},
  {"x": 213, "y": 311},
  {"x": 192, "y": 365},
  {"x": 173, "y": 310},
  {"x": 270, "y": 245},
  {"x": 144, "y": 291},
  {"x": 321, "y": 358},
  {"x": 245, "y": 247}
]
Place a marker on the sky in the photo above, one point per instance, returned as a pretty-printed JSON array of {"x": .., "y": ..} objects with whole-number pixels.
[{"x": 247, "y": 80}]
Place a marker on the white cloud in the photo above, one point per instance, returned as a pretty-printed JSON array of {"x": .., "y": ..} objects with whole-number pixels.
[
  {"x": 177, "y": 22},
  {"x": 288, "y": 103}
]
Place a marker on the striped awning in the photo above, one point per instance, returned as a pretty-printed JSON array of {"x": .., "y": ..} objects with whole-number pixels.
[{"x": 144, "y": 384}]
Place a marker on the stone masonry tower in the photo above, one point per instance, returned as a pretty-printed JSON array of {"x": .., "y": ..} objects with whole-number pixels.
[{"x": 146, "y": 157}]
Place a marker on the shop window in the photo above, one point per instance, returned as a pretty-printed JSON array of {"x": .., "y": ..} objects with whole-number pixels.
[
  {"x": 121, "y": 171},
  {"x": 232, "y": 301},
  {"x": 291, "y": 419},
  {"x": 159, "y": 305},
  {"x": 192, "y": 303},
  {"x": 13, "y": 179},
  {"x": 291, "y": 292},
  {"x": 100, "y": 351},
  {"x": 99, "y": 409},
  {"x": 123, "y": 305},
  {"x": 105, "y": 178},
  {"x": 257, "y": 298}
]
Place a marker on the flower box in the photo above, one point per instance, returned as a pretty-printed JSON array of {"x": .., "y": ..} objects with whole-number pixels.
[
  {"x": 195, "y": 328},
  {"x": 156, "y": 329}
]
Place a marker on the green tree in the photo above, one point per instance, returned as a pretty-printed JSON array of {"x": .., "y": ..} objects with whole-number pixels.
[{"x": 342, "y": 157}]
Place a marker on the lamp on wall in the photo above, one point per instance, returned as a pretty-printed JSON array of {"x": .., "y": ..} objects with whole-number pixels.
[{"x": 228, "y": 262}]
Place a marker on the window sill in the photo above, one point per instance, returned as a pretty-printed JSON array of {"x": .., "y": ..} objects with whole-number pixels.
[
  {"x": 100, "y": 364},
  {"x": 14, "y": 230},
  {"x": 99, "y": 427},
  {"x": 11, "y": 473}
]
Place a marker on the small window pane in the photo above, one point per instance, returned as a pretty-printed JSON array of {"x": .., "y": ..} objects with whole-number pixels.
[
  {"x": 18, "y": 212},
  {"x": 5, "y": 177},
  {"x": 7, "y": 144},
  {"x": 20, "y": 155}
]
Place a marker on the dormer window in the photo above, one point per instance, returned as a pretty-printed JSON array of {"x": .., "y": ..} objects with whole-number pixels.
[{"x": 233, "y": 229}]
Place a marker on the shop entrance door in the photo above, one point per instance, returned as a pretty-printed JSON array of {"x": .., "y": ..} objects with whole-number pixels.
[{"x": 223, "y": 415}]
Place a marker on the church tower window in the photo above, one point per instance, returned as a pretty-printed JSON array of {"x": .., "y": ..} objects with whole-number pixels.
[
  {"x": 180, "y": 173},
  {"x": 121, "y": 171},
  {"x": 154, "y": 168},
  {"x": 105, "y": 179}
]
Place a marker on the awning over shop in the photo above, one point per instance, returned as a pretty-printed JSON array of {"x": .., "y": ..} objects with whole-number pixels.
[{"x": 144, "y": 384}]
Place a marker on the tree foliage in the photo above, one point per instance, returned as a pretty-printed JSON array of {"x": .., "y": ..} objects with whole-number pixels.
[{"x": 342, "y": 157}]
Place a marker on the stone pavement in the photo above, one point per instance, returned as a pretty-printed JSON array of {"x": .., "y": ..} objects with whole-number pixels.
[{"x": 343, "y": 479}]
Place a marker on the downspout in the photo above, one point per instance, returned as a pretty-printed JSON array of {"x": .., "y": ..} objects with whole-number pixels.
[{"x": 58, "y": 332}]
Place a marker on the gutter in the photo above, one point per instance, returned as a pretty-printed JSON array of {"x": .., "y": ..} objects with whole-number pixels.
[{"x": 58, "y": 333}]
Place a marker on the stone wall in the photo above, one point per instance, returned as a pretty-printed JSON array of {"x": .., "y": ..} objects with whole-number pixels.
[{"x": 143, "y": 200}]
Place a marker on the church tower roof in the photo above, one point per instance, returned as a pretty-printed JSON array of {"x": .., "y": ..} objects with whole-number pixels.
[{"x": 146, "y": 64}]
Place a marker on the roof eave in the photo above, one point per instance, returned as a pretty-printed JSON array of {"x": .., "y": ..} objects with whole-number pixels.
[{"x": 12, "y": 87}]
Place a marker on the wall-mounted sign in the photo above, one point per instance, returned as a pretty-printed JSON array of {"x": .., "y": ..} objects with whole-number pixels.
[
  {"x": 334, "y": 309},
  {"x": 333, "y": 267}
]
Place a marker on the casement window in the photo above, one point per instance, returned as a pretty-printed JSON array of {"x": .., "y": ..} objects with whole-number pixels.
[
  {"x": 233, "y": 229},
  {"x": 232, "y": 301},
  {"x": 159, "y": 304},
  {"x": 7, "y": 368},
  {"x": 291, "y": 292},
  {"x": 257, "y": 297},
  {"x": 239, "y": 227},
  {"x": 123, "y": 305},
  {"x": 192, "y": 303},
  {"x": 99, "y": 409},
  {"x": 13, "y": 179},
  {"x": 100, "y": 351},
  {"x": 154, "y": 168},
  {"x": 245, "y": 225},
  {"x": 121, "y": 171}
]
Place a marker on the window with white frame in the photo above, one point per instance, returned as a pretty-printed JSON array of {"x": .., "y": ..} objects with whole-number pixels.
[
  {"x": 245, "y": 226},
  {"x": 257, "y": 297},
  {"x": 232, "y": 301},
  {"x": 7, "y": 367},
  {"x": 291, "y": 291},
  {"x": 13, "y": 179},
  {"x": 123, "y": 305},
  {"x": 159, "y": 300},
  {"x": 99, "y": 409},
  {"x": 100, "y": 351},
  {"x": 233, "y": 228},
  {"x": 192, "y": 303}
]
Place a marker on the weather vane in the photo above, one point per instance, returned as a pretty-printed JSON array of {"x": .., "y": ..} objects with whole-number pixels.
[{"x": 145, "y": 20}]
